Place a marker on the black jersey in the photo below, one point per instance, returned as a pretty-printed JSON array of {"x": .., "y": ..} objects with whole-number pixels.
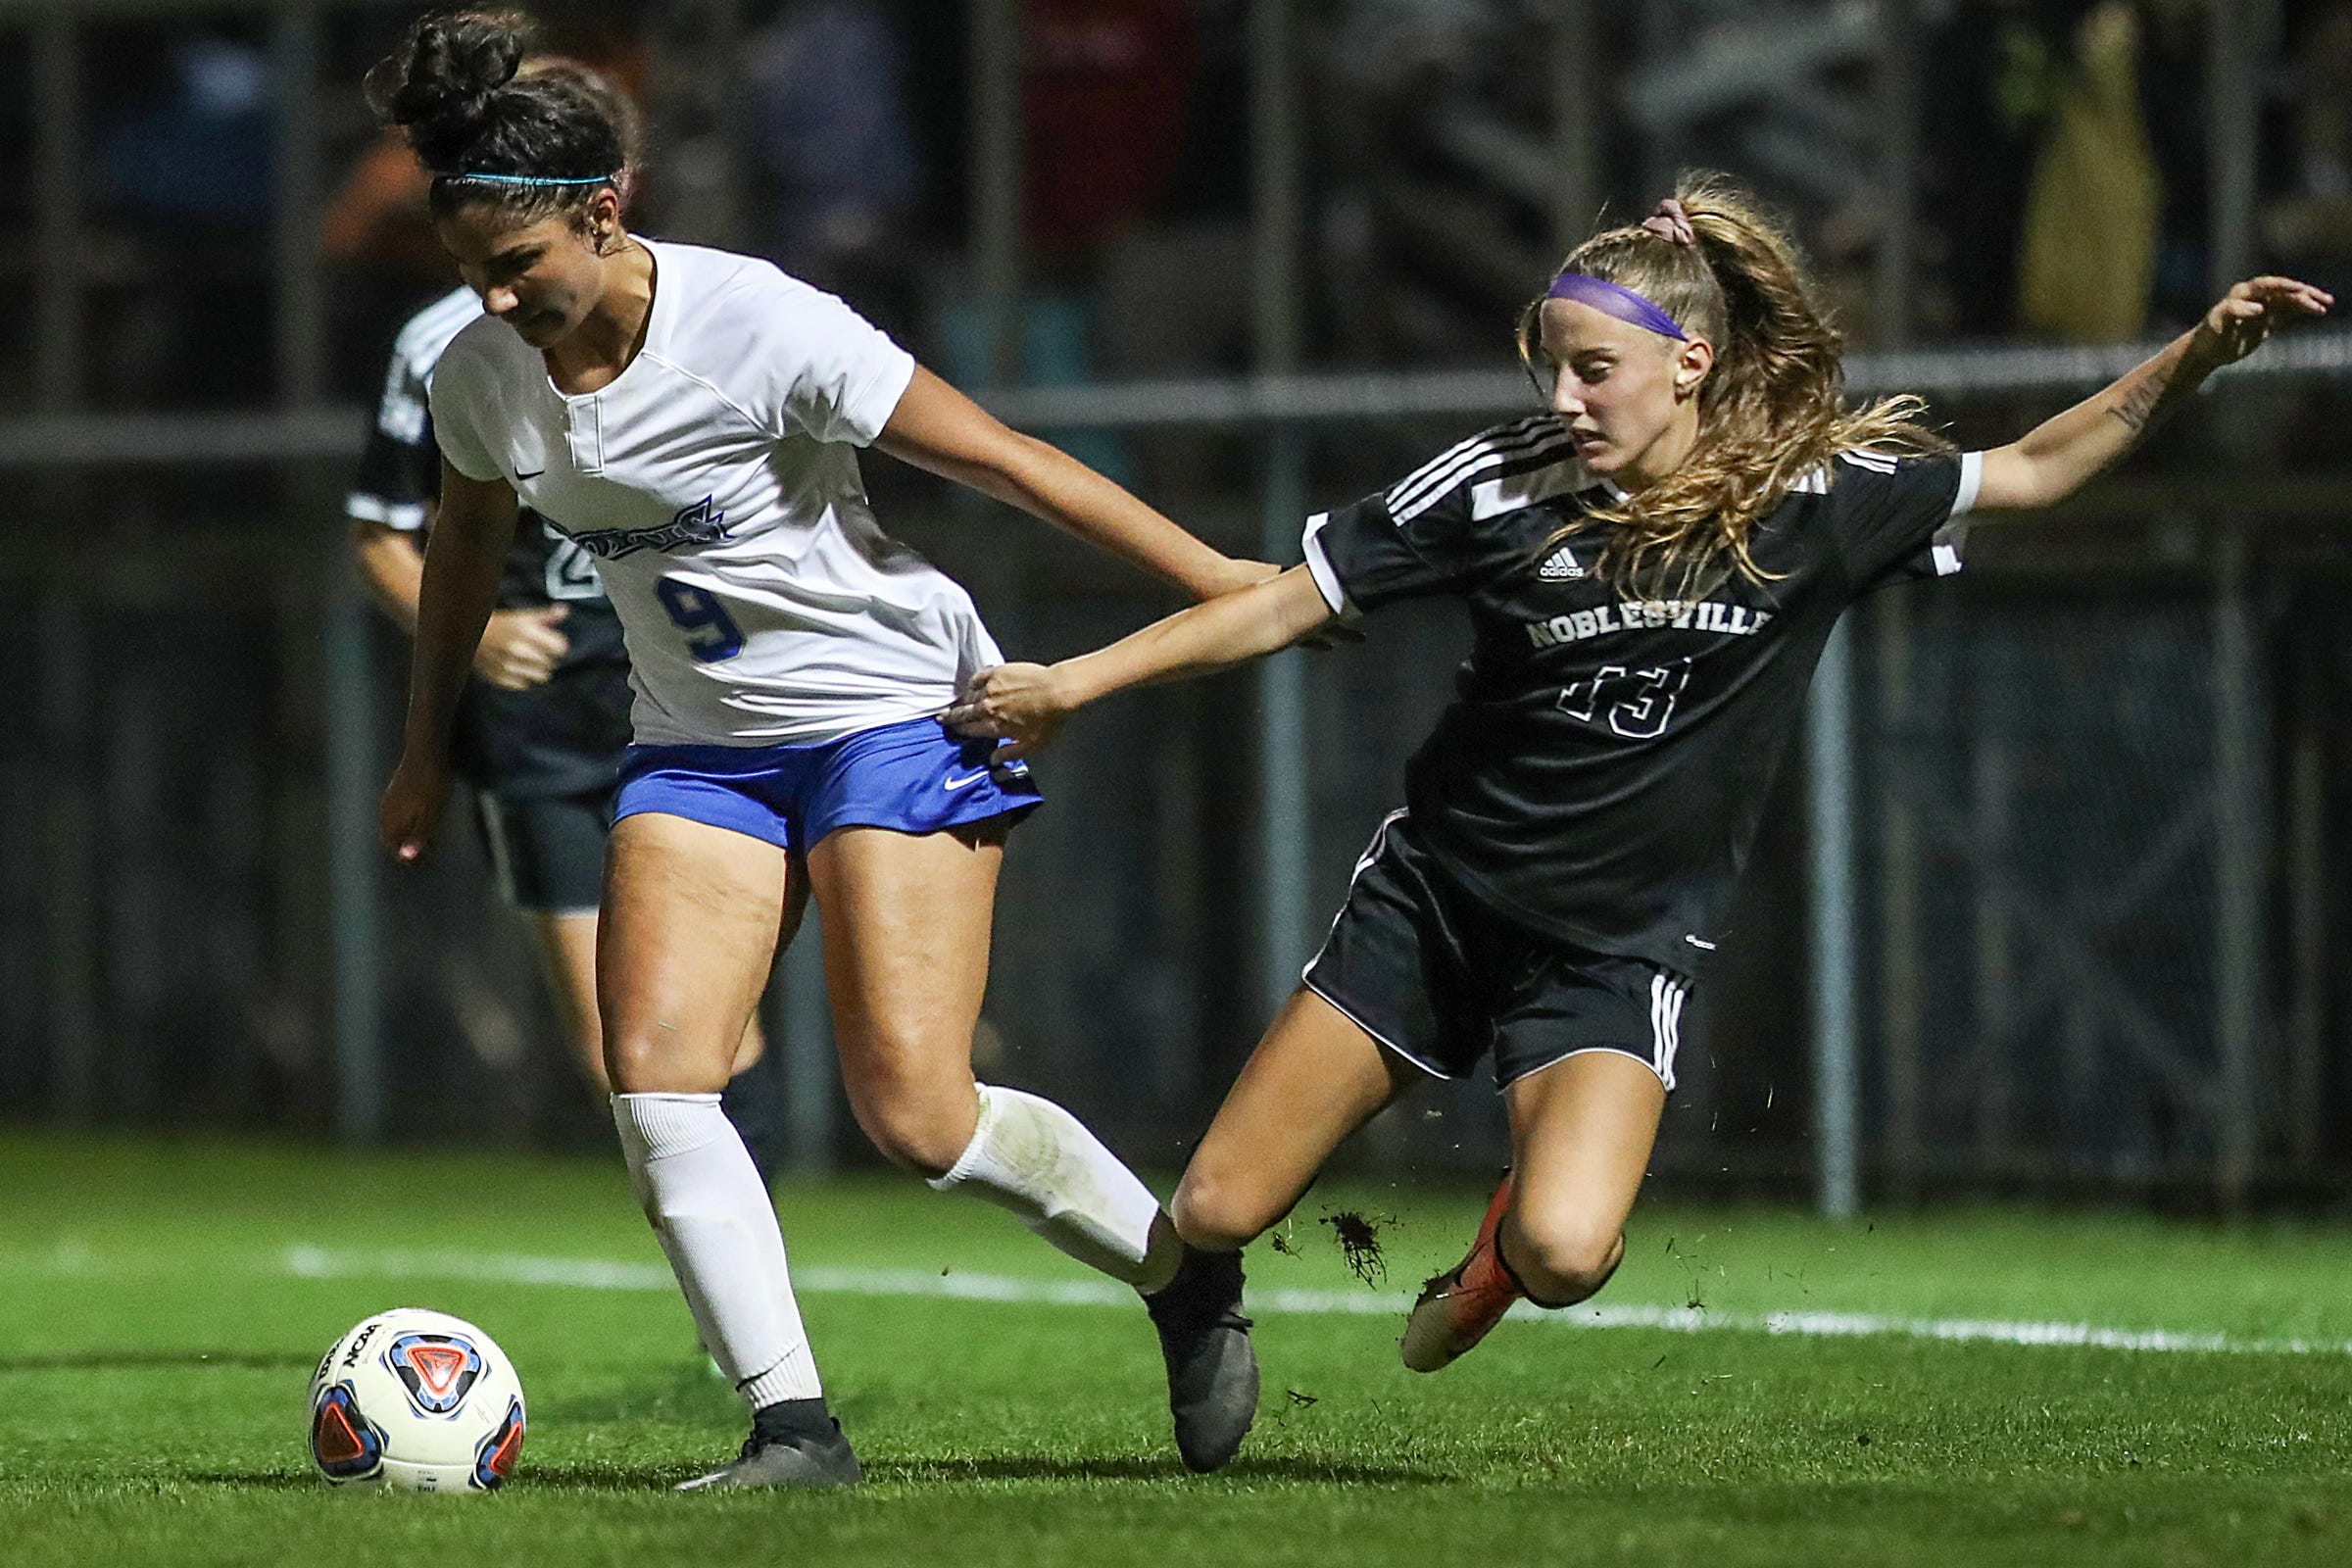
[
  {"x": 1600, "y": 773},
  {"x": 560, "y": 738}
]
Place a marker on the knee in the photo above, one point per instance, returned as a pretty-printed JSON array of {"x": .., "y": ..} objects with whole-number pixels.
[
  {"x": 925, "y": 1133},
  {"x": 1560, "y": 1260},
  {"x": 1216, "y": 1213},
  {"x": 650, "y": 1063}
]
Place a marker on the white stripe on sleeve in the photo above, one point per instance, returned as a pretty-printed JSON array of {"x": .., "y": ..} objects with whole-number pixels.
[
  {"x": 405, "y": 516},
  {"x": 1971, "y": 479},
  {"x": 1318, "y": 566},
  {"x": 1539, "y": 446},
  {"x": 1424, "y": 486}
]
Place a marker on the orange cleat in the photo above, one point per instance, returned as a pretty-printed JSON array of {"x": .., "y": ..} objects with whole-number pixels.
[{"x": 1457, "y": 1308}]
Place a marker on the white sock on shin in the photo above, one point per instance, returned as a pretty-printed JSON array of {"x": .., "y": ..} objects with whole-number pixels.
[
  {"x": 717, "y": 1226},
  {"x": 1035, "y": 1158}
]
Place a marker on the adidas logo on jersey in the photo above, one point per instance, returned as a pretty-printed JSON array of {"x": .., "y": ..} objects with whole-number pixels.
[{"x": 1560, "y": 566}]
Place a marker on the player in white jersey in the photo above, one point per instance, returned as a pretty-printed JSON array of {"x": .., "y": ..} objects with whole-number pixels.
[
  {"x": 690, "y": 417},
  {"x": 543, "y": 724}
]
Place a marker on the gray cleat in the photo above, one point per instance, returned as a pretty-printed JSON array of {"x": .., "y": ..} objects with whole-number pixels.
[
  {"x": 806, "y": 1459},
  {"x": 1212, "y": 1370}
]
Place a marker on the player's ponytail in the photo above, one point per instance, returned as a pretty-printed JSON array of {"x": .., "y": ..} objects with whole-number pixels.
[
  {"x": 534, "y": 139},
  {"x": 1772, "y": 409}
]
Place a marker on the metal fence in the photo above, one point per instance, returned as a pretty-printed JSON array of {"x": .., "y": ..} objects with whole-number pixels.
[
  {"x": 2050, "y": 899},
  {"x": 2047, "y": 900}
]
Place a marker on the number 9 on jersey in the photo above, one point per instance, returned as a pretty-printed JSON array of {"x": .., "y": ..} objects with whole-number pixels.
[{"x": 712, "y": 634}]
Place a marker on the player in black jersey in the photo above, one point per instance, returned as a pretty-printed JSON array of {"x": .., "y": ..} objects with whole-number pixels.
[
  {"x": 542, "y": 726},
  {"x": 1651, "y": 569}
]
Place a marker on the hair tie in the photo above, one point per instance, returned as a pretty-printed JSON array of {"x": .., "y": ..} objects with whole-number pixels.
[{"x": 1671, "y": 222}]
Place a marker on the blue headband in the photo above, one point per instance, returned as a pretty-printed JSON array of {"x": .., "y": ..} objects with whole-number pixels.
[
  {"x": 522, "y": 179},
  {"x": 1613, "y": 299}
]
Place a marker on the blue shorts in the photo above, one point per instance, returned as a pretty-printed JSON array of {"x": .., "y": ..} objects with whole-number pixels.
[{"x": 912, "y": 777}]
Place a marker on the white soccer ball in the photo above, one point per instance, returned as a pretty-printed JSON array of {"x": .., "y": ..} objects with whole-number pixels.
[{"x": 420, "y": 1401}]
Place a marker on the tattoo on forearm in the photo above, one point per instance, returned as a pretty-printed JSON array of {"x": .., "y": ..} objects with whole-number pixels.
[{"x": 2141, "y": 401}]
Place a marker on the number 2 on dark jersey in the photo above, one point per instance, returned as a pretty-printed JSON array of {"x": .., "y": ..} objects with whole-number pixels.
[{"x": 694, "y": 610}]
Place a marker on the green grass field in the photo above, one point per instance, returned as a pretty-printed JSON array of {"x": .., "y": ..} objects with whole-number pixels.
[{"x": 161, "y": 1307}]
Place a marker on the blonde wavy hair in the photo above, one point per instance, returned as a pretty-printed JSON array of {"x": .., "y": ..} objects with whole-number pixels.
[{"x": 1771, "y": 412}]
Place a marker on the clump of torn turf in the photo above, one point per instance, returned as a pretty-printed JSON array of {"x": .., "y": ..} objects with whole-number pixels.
[{"x": 1358, "y": 1236}]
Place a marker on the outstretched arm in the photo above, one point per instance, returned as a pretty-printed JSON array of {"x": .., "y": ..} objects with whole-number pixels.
[
  {"x": 938, "y": 428},
  {"x": 2060, "y": 456},
  {"x": 1025, "y": 703}
]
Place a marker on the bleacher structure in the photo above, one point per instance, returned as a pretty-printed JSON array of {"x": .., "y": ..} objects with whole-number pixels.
[{"x": 2050, "y": 903}]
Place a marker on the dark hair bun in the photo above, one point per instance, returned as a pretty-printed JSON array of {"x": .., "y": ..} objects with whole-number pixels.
[
  {"x": 530, "y": 139},
  {"x": 441, "y": 82}
]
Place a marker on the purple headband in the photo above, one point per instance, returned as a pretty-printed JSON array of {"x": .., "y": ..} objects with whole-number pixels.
[{"x": 1614, "y": 299}]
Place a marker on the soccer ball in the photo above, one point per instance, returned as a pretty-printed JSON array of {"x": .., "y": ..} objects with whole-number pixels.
[{"x": 416, "y": 1399}]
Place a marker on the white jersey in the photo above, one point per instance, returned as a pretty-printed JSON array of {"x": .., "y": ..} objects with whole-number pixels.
[{"x": 716, "y": 481}]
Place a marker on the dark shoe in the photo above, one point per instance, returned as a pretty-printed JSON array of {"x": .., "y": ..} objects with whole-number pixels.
[
  {"x": 800, "y": 1459},
  {"x": 1212, "y": 1371}
]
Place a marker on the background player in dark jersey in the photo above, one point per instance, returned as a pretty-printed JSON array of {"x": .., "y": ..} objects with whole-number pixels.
[
  {"x": 542, "y": 727},
  {"x": 1652, "y": 569}
]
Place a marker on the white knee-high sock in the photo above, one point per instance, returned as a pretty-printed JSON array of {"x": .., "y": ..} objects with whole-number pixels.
[
  {"x": 718, "y": 1228},
  {"x": 1035, "y": 1158}
]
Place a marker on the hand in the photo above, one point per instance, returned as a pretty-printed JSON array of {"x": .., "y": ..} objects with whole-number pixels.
[
  {"x": 1233, "y": 576},
  {"x": 521, "y": 648},
  {"x": 413, "y": 805},
  {"x": 1021, "y": 705},
  {"x": 2237, "y": 325}
]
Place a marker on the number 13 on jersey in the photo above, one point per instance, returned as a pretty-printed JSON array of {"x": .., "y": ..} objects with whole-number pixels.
[
  {"x": 698, "y": 610},
  {"x": 1633, "y": 703}
]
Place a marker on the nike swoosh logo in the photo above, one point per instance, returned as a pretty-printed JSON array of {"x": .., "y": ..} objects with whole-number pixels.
[
  {"x": 533, "y": 475},
  {"x": 966, "y": 783}
]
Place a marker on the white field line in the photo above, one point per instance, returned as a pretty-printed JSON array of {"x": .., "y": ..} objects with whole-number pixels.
[{"x": 593, "y": 1274}]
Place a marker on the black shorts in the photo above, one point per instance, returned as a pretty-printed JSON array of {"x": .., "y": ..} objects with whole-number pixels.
[
  {"x": 1442, "y": 980},
  {"x": 547, "y": 854}
]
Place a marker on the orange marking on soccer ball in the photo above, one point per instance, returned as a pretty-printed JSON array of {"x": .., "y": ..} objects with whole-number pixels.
[
  {"x": 502, "y": 1458},
  {"x": 439, "y": 1366},
  {"x": 337, "y": 1441}
]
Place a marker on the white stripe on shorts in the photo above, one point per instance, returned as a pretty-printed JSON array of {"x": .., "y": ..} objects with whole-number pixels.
[
  {"x": 1666, "y": 999},
  {"x": 1364, "y": 863},
  {"x": 502, "y": 854}
]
